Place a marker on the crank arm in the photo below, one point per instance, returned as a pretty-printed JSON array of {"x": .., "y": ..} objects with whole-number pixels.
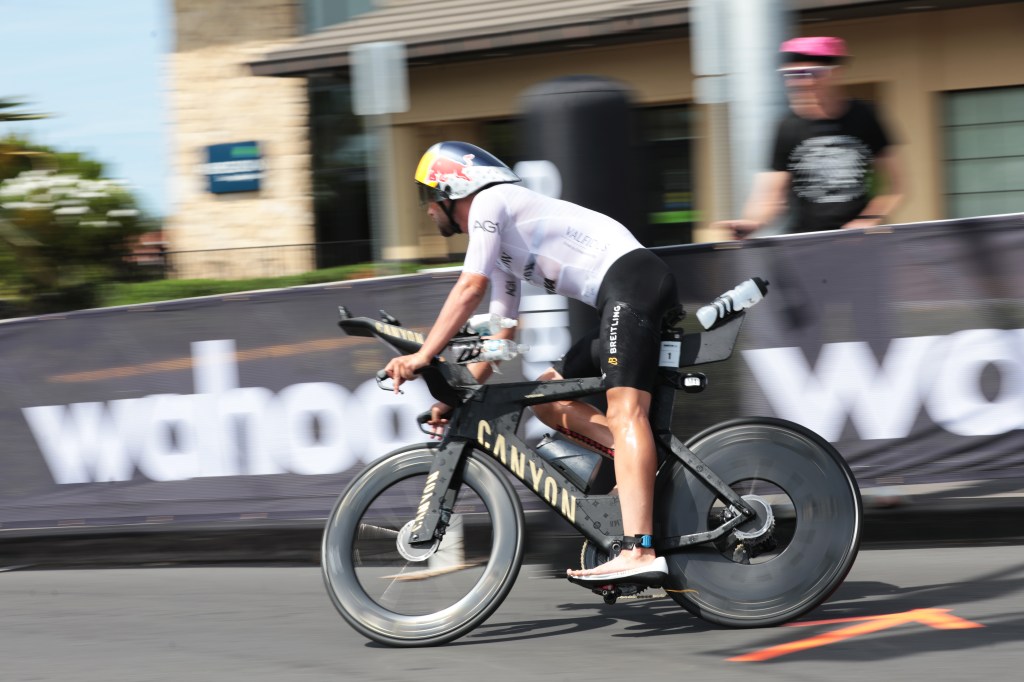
[{"x": 681, "y": 541}]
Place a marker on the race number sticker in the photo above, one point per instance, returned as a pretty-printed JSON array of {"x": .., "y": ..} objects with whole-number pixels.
[{"x": 669, "y": 356}]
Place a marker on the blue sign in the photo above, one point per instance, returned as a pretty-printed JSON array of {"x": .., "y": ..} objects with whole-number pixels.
[{"x": 234, "y": 167}]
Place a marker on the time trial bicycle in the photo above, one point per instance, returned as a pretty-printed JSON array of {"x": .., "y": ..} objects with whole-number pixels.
[{"x": 759, "y": 518}]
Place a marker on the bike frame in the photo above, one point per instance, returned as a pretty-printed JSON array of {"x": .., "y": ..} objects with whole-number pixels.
[{"x": 486, "y": 418}]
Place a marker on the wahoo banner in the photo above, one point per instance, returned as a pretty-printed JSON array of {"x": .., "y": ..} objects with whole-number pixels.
[
  {"x": 904, "y": 346},
  {"x": 240, "y": 407}
]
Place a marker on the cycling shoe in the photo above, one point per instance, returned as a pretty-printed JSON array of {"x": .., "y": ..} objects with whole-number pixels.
[{"x": 649, "y": 575}]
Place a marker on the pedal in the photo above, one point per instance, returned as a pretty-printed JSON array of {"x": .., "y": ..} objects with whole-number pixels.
[{"x": 610, "y": 593}]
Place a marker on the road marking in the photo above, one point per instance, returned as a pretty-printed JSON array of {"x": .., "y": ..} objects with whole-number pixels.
[{"x": 940, "y": 619}]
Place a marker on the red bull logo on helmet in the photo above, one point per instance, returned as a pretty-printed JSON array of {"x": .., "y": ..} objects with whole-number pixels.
[
  {"x": 458, "y": 169},
  {"x": 443, "y": 169}
]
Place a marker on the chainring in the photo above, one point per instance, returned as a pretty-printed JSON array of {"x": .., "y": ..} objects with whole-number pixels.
[{"x": 750, "y": 539}]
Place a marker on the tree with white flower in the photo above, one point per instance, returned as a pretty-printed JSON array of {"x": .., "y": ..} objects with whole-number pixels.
[{"x": 62, "y": 235}]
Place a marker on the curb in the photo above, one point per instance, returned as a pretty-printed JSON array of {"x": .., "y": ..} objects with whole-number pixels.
[{"x": 549, "y": 539}]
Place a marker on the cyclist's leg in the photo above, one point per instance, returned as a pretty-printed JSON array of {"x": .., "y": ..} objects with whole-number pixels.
[
  {"x": 627, "y": 366},
  {"x": 576, "y": 416},
  {"x": 627, "y": 419},
  {"x": 632, "y": 306},
  {"x": 635, "y": 467},
  {"x": 573, "y": 416}
]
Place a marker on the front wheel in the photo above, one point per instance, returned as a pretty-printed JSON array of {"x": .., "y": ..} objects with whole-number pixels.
[
  {"x": 401, "y": 594},
  {"x": 788, "y": 559}
]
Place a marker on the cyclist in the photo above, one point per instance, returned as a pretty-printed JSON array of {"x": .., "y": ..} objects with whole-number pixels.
[{"x": 516, "y": 235}]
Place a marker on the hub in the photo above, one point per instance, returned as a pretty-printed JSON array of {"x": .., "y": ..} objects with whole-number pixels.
[
  {"x": 420, "y": 551},
  {"x": 758, "y": 528}
]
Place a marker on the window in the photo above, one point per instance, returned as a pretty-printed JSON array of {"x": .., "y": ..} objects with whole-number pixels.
[
  {"x": 321, "y": 13},
  {"x": 984, "y": 139},
  {"x": 340, "y": 188},
  {"x": 667, "y": 160}
]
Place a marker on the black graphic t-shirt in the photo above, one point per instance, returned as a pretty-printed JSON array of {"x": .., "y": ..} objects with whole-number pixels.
[{"x": 828, "y": 162}]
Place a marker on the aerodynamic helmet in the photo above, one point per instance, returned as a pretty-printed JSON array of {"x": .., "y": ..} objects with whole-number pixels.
[{"x": 455, "y": 170}]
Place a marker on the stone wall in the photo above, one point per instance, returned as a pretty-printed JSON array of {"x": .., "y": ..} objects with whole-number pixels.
[{"x": 215, "y": 99}]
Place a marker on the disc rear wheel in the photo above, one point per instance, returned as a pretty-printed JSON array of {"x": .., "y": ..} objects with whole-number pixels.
[{"x": 788, "y": 559}]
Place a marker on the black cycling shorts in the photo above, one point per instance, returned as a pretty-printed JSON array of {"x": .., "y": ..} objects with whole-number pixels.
[{"x": 636, "y": 294}]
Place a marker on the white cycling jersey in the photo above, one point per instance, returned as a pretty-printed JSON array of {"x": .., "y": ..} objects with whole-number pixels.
[{"x": 516, "y": 234}]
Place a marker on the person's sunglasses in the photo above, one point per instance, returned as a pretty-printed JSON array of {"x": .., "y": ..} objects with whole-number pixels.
[
  {"x": 799, "y": 73},
  {"x": 429, "y": 195}
]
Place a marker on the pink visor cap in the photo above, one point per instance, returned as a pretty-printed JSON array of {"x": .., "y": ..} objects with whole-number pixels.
[{"x": 820, "y": 48}]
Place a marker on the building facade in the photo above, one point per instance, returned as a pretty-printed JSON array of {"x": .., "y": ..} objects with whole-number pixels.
[
  {"x": 215, "y": 100},
  {"x": 945, "y": 76}
]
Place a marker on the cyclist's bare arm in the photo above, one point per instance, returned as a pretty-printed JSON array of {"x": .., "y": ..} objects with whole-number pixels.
[
  {"x": 463, "y": 299},
  {"x": 481, "y": 371}
]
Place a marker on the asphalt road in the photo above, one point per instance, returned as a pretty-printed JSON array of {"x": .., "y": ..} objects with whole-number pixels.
[{"x": 910, "y": 614}]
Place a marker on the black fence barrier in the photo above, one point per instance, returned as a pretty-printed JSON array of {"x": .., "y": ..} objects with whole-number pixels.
[{"x": 902, "y": 345}]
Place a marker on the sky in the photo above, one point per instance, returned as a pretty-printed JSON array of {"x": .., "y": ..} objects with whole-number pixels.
[{"x": 99, "y": 68}]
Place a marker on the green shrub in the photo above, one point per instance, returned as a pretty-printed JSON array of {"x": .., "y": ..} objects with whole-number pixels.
[{"x": 169, "y": 289}]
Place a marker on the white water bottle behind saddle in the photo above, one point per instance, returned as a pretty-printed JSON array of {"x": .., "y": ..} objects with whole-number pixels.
[{"x": 741, "y": 297}]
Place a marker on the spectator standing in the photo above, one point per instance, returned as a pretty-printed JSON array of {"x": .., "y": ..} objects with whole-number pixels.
[{"x": 825, "y": 150}]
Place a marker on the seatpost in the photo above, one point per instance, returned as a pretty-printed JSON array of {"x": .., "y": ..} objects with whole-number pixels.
[{"x": 662, "y": 404}]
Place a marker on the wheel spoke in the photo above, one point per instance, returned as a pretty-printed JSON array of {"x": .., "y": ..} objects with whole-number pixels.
[{"x": 369, "y": 531}]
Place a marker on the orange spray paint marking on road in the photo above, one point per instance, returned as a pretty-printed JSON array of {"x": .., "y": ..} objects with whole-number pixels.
[{"x": 940, "y": 619}]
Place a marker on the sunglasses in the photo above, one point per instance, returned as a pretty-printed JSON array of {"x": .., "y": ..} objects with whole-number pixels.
[
  {"x": 798, "y": 73},
  {"x": 430, "y": 195}
]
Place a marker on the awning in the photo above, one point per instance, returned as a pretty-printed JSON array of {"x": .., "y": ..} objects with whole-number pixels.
[
  {"x": 441, "y": 30},
  {"x": 446, "y": 30}
]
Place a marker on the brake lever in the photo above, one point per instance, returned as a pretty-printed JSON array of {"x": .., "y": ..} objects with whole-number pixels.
[
  {"x": 436, "y": 384},
  {"x": 381, "y": 377},
  {"x": 424, "y": 417}
]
